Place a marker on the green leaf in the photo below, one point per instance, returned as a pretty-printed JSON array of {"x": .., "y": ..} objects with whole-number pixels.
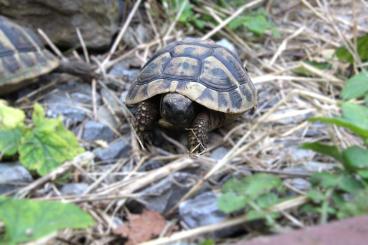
[
  {"x": 355, "y": 158},
  {"x": 362, "y": 132},
  {"x": 363, "y": 174},
  {"x": 356, "y": 86},
  {"x": 357, "y": 206},
  {"x": 362, "y": 48},
  {"x": 254, "y": 185},
  {"x": 356, "y": 114},
  {"x": 10, "y": 117},
  {"x": 267, "y": 200},
  {"x": 256, "y": 22},
  {"x": 316, "y": 196},
  {"x": 29, "y": 220},
  {"x": 301, "y": 70},
  {"x": 349, "y": 183},
  {"x": 343, "y": 181},
  {"x": 9, "y": 141},
  {"x": 48, "y": 144},
  {"x": 255, "y": 215},
  {"x": 238, "y": 193},
  {"x": 230, "y": 202},
  {"x": 325, "y": 180},
  {"x": 208, "y": 242},
  {"x": 328, "y": 150}
]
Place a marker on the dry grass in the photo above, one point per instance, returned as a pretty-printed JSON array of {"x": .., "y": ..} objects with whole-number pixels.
[{"x": 263, "y": 142}]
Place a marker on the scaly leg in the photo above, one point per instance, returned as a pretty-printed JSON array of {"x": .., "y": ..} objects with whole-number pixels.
[
  {"x": 145, "y": 119},
  {"x": 202, "y": 124}
]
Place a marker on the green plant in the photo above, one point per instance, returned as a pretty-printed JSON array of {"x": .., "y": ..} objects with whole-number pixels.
[
  {"x": 42, "y": 145},
  {"x": 187, "y": 17},
  {"x": 256, "y": 22},
  {"x": 343, "y": 53},
  {"x": 254, "y": 194},
  {"x": 343, "y": 193},
  {"x": 29, "y": 220}
]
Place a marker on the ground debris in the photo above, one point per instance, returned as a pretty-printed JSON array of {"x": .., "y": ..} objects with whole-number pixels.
[{"x": 141, "y": 227}]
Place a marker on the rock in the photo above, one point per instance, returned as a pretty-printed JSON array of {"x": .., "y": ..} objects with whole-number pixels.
[
  {"x": 97, "y": 20},
  {"x": 297, "y": 155},
  {"x": 310, "y": 167},
  {"x": 71, "y": 101},
  {"x": 151, "y": 164},
  {"x": 105, "y": 116},
  {"x": 163, "y": 195},
  {"x": 299, "y": 184},
  {"x": 137, "y": 34},
  {"x": 202, "y": 210},
  {"x": 122, "y": 71},
  {"x": 225, "y": 43},
  {"x": 97, "y": 131},
  {"x": 290, "y": 116},
  {"x": 123, "y": 96},
  {"x": 119, "y": 148},
  {"x": 74, "y": 189},
  {"x": 314, "y": 166},
  {"x": 219, "y": 153},
  {"x": 13, "y": 176}
]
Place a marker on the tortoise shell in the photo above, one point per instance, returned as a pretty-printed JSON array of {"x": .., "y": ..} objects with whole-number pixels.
[
  {"x": 203, "y": 71},
  {"x": 22, "y": 56}
]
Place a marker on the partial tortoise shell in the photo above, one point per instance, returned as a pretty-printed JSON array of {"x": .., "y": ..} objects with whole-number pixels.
[
  {"x": 203, "y": 71},
  {"x": 22, "y": 56}
]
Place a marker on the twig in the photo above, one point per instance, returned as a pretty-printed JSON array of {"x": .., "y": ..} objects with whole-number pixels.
[
  {"x": 122, "y": 32},
  {"x": 232, "y": 17},
  {"x": 81, "y": 160}
]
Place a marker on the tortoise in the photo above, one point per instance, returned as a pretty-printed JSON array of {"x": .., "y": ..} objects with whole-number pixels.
[
  {"x": 23, "y": 57},
  {"x": 191, "y": 84}
]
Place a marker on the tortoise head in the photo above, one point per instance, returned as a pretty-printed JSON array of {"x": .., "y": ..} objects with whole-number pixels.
[{"x": 177, "y": 109}]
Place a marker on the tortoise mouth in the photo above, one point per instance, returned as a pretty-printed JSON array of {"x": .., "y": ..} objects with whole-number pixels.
[{"x": 177, "y": 109}]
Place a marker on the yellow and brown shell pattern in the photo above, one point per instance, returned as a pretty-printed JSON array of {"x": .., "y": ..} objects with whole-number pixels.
[
  {"x": 22, "y": 56},
  {"x": 203, "y": 71}
]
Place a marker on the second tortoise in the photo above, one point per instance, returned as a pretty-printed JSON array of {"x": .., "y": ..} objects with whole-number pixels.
[
  {"x": 23, "y": 57},
  {"x": 191, "y": 84}
]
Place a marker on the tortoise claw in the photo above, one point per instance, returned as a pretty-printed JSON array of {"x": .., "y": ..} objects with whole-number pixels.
[{"x": 198, "y": 134}]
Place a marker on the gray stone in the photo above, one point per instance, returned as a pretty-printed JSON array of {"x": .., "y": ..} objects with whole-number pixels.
[
  {"x": 299, "y": 184},
  {"x": 225, "y": 43},
  {"x": 71, "y": 101},
  {"x": 202, "y": 210},
  {"x": 151, "y": 164},
  {"x": 119, "y": 148},
  {"x": 97, "y": 131},
  {"x": 105, "y": 116},
  {"x": 310, "y": 167},
  {"x": 98, "y": 20},
  {"x": 13, "y": 176},
  {"x": 163, "y": 195},
  {"x": 314, "y": 166},
  {"x": 123, "y": 96},
  {"x": 298, "y": 155},
  {"x": 74, "y": 189},
  {"x": 219, "y": 153},
  {"x": 137, "y": 34},
  {"x": 122, "y": 71}
]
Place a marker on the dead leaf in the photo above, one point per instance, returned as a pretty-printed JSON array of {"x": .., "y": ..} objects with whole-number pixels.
[{"x": 142, "y": 227}]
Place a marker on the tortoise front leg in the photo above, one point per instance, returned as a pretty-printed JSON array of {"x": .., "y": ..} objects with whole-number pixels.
[
  {"x": 145, "y": 119},
  {"x": 198, "y": 134},
  {"x": 202, "y": 124}
]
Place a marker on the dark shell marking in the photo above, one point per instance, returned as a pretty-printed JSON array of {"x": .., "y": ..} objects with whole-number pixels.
[
  {"x": 22, "y": 56},
  {"x": 205, "y": 72}
]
